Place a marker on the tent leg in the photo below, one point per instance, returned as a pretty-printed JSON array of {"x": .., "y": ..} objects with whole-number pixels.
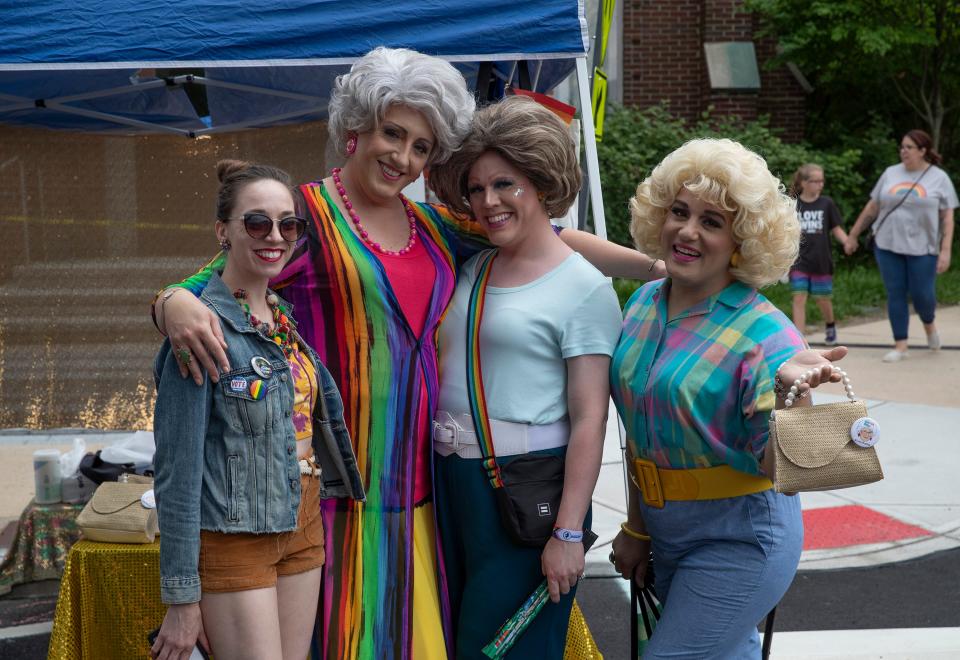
[{"x": 590, "y": 144}]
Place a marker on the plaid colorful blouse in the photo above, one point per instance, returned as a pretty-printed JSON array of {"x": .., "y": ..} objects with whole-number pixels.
[{"x": 695, "y": 391}]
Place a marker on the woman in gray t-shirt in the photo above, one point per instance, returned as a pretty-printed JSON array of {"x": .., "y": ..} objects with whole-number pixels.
[{"x": 911, "y": 212}]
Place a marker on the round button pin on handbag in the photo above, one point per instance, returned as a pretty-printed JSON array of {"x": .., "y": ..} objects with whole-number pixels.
[
  {"x": 262, "y": 366},
  {"x": 865, "y": 432},
  {"x": 148, "y": 500}
]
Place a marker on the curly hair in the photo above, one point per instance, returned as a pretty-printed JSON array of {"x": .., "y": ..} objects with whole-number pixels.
[
  {"x": 730, "y": 176},
  {"x": 531, "y": 138},
  {"x": 399, "y": 76}
]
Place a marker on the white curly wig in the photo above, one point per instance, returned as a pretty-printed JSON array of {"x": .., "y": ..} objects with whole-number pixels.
[{"x": 389, "y": 76}]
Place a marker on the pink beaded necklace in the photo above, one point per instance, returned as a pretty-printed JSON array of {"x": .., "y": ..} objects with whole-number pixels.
[{"x": 411, "y": 218}]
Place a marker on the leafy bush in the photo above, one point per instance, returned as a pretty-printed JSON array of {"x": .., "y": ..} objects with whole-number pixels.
[{"x": 634, "y": 141}]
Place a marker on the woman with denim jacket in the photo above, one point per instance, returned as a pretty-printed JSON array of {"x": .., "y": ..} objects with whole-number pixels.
[{"x": 241, "y": 464}]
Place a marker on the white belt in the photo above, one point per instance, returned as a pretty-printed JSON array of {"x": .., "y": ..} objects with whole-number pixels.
[
  {"x": 307, "y": 466},
  {"x": 455, "y": 434}
]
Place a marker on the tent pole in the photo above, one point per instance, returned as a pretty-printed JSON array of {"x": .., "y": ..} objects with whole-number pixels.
[
  {"x": 212, "y": 82},
  {"x": 236, "y": 126},
  {"x": 117, "y": 119},
  {"x": 590, "y": 145}
]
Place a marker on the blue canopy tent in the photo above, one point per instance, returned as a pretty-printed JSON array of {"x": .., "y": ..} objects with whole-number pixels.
[{"x": 201, "y": 67}]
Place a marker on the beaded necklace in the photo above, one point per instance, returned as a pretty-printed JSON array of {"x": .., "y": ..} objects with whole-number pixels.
[
  {"x": 411, "y": 219},
  {"x": 280, "y": 334}
]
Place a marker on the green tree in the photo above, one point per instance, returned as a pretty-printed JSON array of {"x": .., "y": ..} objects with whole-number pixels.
[{"x": 874, "y": 54}]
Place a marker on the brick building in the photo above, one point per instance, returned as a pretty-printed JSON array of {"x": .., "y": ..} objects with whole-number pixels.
[{"x": 663, "y": 60}]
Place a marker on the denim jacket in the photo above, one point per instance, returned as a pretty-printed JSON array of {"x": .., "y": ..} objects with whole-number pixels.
[{"x": 226, "y": 461}]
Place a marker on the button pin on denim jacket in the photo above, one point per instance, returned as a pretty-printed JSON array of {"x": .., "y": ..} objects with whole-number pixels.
[
  {"x": 262, "y": 366},
  {"x": 257, "y": 389}
]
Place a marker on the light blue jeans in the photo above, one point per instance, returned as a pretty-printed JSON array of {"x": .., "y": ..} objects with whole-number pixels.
[{"x": 721, "y": 566}]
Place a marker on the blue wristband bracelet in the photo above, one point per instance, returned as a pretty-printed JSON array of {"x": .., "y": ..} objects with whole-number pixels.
[{"x": 568, "y": 535}]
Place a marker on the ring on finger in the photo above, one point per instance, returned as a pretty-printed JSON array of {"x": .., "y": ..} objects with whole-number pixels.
[{"x": 184, "y": 355}]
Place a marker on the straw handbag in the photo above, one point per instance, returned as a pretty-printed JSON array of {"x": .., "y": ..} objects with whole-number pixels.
[
  {"x": 120, "y": 512},
  {"x": 824, "y": 447}
]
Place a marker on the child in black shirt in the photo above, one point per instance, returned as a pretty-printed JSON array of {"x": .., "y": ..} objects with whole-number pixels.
[{"x": 813, "y": 271}]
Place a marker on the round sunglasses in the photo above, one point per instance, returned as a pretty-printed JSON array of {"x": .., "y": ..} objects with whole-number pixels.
[{"x": 259, "y": 226}]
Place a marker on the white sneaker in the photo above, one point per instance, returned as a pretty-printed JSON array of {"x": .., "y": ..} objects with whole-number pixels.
[
  {"x": 895, "y": 356},
  {"x": 933, "y": 341}
]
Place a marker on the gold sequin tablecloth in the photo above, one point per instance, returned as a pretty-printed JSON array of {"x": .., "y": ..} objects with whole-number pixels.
[
  {"x": 580, "y": 642},
  {"x": 45, "y": 533},
  {"x": 109, "y": 601}
]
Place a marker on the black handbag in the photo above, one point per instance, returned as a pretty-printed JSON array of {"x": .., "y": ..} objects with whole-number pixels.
[
  {"x": 528, "y": 489},
  {"x": 98, "y": 470}
]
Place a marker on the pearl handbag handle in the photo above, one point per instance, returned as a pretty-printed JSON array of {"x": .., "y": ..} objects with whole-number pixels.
[{"x": 795, "y": 388}]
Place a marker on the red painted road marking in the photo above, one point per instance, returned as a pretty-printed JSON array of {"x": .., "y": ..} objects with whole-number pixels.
[{"x": 842, "y": 526}]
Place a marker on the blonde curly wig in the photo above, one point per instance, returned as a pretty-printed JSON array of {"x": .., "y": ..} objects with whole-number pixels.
[{"x": 730, "y": 176}]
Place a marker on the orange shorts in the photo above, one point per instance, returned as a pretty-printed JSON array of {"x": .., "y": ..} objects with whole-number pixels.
[{"x": 236, "y": 562}]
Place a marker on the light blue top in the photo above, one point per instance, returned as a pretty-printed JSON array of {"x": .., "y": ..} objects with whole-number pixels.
[{"x": 526, "y": 334}]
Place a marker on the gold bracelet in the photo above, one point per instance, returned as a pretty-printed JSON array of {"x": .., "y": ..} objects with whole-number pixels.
[{"x": 634, "y": 534}]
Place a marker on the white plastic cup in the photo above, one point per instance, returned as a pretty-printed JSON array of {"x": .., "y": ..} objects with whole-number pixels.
[{"x": 46, "y": 476}]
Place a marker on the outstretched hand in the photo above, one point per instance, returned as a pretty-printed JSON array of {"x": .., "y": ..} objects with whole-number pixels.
[{"x": 821, "y": 362}]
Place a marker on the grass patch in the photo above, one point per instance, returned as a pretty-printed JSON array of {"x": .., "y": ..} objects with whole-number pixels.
[{"x": 857, "y": 291}]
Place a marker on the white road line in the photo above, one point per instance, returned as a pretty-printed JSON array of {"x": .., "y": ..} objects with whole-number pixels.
[
  {"x": 27, "y": 630},
  {"x": 888, "y": 644}
]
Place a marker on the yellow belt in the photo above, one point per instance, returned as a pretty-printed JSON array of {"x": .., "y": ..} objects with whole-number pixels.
[{"x": 659, "y": 485}]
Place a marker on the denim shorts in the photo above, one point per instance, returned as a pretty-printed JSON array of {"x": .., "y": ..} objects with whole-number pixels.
[{"x": 237, "y": 562}]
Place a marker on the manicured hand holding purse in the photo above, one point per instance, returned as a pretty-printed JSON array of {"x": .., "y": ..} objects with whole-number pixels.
[{"x": 820, "y": 362}]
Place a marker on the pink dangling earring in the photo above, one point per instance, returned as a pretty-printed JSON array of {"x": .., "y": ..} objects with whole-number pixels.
[{"x": 351, "y": 145}]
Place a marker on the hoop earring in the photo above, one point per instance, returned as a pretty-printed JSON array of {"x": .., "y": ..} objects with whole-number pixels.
[
  {"x": 225, "y": 245},
  {"x": 541, "y": 196},
  {"x": 351, "y": 145}
]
